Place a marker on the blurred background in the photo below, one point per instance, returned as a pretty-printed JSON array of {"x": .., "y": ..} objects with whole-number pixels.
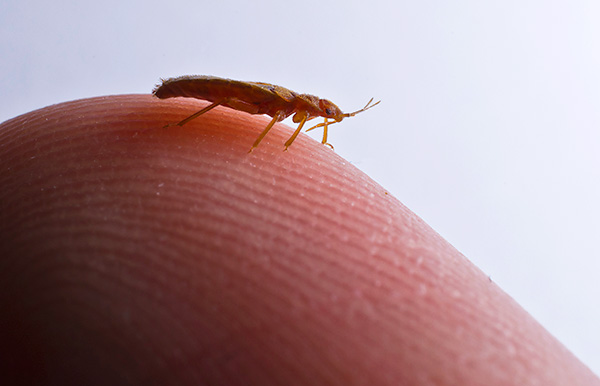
[{"x": 488, "y": 127}]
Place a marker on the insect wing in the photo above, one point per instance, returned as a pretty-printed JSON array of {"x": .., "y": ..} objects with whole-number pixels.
[{"x": 282, "y": 92}]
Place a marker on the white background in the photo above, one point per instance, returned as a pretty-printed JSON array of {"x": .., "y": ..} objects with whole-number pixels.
[{"x": 488, "y": 129}]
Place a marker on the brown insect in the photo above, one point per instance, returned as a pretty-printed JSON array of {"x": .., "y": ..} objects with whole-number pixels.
[{"x": 255, "y": 98}]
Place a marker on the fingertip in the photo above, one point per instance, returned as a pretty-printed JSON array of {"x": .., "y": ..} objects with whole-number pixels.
[{"x": 178, "y": 256}]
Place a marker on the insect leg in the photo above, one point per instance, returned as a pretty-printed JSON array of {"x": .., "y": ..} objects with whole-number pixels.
[
  {"x": 276, "y": 118},
  {"x": 196, "y": 115},
  {"x": 324, "y": 141},
  {"x": 321, "y": 125},
  {"x": 293, "y": 137},
  {"x": 325, "y": 126}
]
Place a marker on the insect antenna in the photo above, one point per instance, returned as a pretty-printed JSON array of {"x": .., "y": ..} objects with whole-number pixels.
[{"x": 367, "y": 106}]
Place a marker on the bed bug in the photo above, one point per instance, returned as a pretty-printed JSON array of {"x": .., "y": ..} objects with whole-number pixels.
[{"x": 255, "y": 98}]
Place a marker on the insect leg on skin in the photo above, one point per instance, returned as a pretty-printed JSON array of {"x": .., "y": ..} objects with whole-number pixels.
[
  {"x": 255, "y": 98},
  {"x": 277, "y": 117}
]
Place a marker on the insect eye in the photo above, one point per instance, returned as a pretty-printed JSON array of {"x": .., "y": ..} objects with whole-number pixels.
[{"x": 328, "y": 111}]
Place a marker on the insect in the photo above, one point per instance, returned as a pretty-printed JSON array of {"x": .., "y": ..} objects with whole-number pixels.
[{"x": 255, "y": 98}]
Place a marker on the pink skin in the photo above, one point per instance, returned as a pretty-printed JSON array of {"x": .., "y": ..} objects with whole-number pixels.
[{"x": 135, "y": 254}]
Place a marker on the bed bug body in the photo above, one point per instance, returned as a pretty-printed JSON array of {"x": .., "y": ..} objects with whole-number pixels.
[{"x": 255, "y": 98}]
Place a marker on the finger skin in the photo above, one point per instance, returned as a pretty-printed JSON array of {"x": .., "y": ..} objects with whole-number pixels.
[{"x": 137, "y": 254}]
